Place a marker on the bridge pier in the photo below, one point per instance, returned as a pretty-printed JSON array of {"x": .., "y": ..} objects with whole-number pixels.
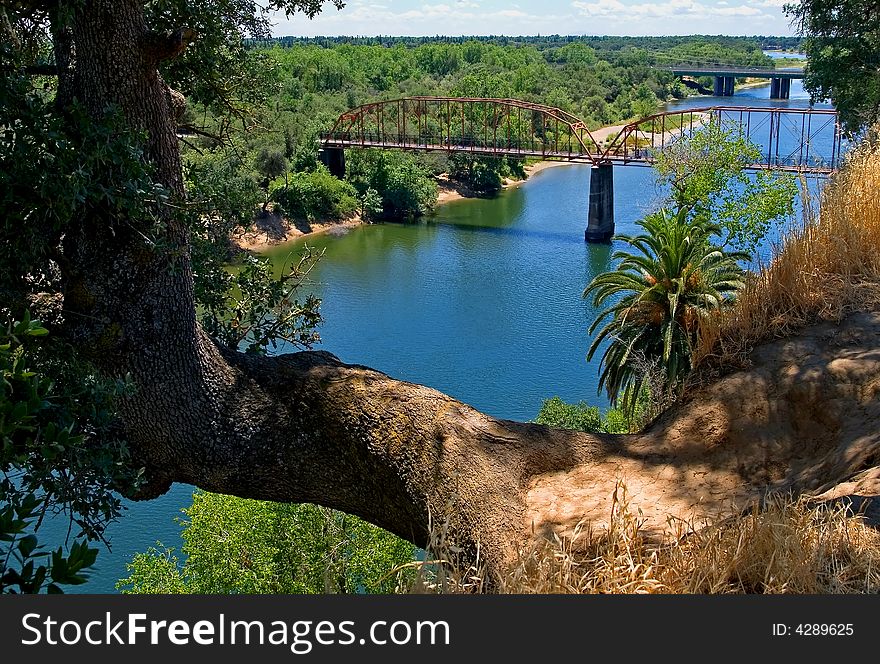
[
  {"x": 723, "y": 86},
  {"x": 334, "y": 160},
  {"x": 780, "y": 88},
  {"x": 600, "y": 220}
]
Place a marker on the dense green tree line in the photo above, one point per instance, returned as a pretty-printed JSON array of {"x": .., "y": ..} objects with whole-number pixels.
[
  {"x": 306, "y": 84},
  {"x": 607, "y": 43}
]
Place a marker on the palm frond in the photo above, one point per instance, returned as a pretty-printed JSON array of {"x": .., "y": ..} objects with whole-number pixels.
[{"x": 671, "y": 277}]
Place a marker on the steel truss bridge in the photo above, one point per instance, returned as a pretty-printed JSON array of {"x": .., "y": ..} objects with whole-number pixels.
[{"x": 806, "y": 140}]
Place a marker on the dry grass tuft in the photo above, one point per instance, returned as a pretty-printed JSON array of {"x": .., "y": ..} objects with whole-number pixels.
[
  {"x": 620, "y": 559},
  {"x": 790, "y": 546},
  {"x": 824, "y": 270}
]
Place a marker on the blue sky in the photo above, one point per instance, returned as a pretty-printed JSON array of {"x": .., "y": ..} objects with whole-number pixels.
[{"x": 530, "y": 17}]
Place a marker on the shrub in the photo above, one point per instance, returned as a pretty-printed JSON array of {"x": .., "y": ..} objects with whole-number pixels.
[
  {"x": 235, "y": 545},
  {"x": 582, "y": 417},
  {"x": 314, "y": 195}
]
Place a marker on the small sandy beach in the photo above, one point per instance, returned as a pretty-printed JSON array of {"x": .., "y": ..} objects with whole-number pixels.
[{"x": 270, "y": 230}]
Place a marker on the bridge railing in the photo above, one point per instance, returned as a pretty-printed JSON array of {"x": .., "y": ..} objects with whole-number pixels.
[
  {"x": 456, "y": 143},
  {"x": 787, "y": 138},
  {"x": 459, "y": 123}
]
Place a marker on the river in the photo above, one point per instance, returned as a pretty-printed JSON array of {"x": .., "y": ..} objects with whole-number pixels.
[{"x": 482, "y": 301}]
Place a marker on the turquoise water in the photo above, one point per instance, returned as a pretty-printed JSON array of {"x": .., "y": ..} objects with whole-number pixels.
[
  {"x": 481, "y": 301},
  {"x": 484, "y": 300}
]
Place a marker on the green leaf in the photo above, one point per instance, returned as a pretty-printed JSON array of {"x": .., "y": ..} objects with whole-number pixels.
[{"x": 27, "y": 545}]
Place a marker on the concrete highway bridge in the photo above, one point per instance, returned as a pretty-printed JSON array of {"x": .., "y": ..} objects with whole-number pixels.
[
  {"x": 780, "y": 79},
  {"x": 803, "y": 140}
]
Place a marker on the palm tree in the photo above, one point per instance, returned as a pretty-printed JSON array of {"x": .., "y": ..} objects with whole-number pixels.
[{"x": 657, "y": 296}]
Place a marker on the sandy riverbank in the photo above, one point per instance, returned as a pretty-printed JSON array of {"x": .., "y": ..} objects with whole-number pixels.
[
  {"x": 270, "y": 229},
  {"x": 450, "y": 190},
  {"x": 754, "y": 83}
]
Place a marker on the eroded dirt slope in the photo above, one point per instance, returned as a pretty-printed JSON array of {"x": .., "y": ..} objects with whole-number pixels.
[{"x": 805, "y": 417}]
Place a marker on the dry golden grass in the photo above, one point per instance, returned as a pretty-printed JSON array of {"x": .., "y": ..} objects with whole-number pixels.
[
  {"x": 823, "y": 271},
  {"x": 790, "y": 546}
]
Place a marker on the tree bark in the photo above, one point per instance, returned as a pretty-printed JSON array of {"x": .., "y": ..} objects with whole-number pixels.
[{"x": 307, "y": 428}]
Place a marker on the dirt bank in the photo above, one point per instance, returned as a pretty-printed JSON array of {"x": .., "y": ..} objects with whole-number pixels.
[
  {"x": 271, "y": 229},
  {"x": 804, "y": 418}
]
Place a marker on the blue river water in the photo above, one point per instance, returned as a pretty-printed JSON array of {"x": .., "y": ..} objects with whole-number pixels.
[{"x": 482, "y": 301}]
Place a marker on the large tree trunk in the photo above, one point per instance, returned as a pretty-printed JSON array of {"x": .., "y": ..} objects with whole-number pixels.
[
  {"x": 295, "y": 428},
  {"x": 305, "y": 427}
]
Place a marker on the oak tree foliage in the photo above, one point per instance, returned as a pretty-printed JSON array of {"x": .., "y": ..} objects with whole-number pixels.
[
  {"x": 64, "y": 451},
  {"x": 842, "y": 43}
]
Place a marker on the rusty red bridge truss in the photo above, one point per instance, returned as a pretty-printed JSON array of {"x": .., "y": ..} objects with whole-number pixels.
[
  {"x": 795, "y": 139},
  {"x": 806, "y": 140}
]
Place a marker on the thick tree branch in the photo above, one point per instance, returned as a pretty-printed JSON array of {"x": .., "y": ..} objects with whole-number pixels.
[{"x": 306, "y": 427}]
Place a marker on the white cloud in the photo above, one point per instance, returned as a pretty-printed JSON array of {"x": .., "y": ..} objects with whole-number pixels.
[
  {"x": 673, "y": 8},
  {"x": 463, "y": 17},
  {"x": 586, "y": 17}
]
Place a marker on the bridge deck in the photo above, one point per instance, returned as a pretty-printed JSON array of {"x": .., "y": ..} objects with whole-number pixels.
[
  {"x": 636, "y": 157},
  {"x": 790, "y": 139},
  {"x": 739, "y": 72}
]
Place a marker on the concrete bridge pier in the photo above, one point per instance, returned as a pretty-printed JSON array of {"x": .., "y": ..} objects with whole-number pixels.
[
  {"x": 729, "y": 82},
  {"x": 334, "y": 160},
  {"x": 780, "y": 88},
  {"x": 600, "y": 221},
  {"x": 723, "y": 86}
]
